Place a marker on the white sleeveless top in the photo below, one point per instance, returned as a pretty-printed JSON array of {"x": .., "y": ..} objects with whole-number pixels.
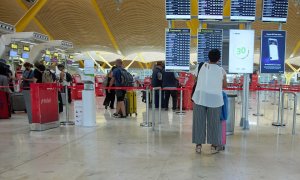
[{"x": 208, "y": 91}]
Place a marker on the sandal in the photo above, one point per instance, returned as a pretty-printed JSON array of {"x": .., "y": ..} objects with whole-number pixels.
[
  {"x": 198, "y": 148},
  {"x": 216, "y": 148}
]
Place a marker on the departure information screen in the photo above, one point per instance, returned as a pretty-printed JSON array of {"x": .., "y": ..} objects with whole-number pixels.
[
  {"x": 210, "y": 9},
  {"x": 178, "y": 42},
  {"x": 178, "y": 9},
  {"x": 275, "y": 10},
  {"x": 209, "y": 39},
  {"x": 243, "y": 10}
]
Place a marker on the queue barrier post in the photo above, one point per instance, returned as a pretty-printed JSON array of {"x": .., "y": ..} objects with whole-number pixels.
[
  {"x": 294, "y": 112},
  {"x": 67, "y": 122},
  {"x": 258, "y": 104},
  {"x": 279, "y": 109},
  {"x": 181, "y": 96},
  {"x": 159, "y": 107},
  {"x": 147, "y": 123},
  {"x": 153, "y": 108}
]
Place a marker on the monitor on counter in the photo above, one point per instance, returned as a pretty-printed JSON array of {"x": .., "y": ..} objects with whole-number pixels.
[
  {"x": 13, "y": 53},
  {"x": 25, "y": 55}
]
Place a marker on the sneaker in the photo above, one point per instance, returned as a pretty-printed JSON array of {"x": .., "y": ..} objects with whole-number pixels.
[
  {"x": 116, "y": 115},
  {"x": 216, "y": 149},
  {"x": 198, "y": 148}
]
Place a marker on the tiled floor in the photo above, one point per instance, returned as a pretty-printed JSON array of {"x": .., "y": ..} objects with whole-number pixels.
[{"x": 121, "y": 149}]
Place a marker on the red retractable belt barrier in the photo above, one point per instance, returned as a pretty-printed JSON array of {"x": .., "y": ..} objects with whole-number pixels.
[
  {"x": 4, "y": 105},
  {"x": 44, "y": 102}
]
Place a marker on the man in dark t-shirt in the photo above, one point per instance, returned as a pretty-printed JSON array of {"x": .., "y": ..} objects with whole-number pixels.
[
  {"x": 38, "y": 72},
  {"x": 117, "y": 81}
]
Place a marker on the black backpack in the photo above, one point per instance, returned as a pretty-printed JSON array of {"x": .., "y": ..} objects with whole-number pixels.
[
  {"x": 68, "y": 77},
  {"x": 126, "y": 78}
]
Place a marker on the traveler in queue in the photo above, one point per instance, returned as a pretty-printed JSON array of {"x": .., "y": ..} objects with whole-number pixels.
[
  {"x": 117, "y": 81},
  {"x": 208, "y": 101},
  {"x": 110, "y": 95},
  {"x": 4, "y": 79},
  {"x": 65, "y": 79},
  {"x": 38, "y": 72},
  {"x": 27, "y": 76},
  {"x": 170, "y": 81},
  {"x": 157, "y": 79}
]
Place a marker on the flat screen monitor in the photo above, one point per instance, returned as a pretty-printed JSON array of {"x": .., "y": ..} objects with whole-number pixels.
[
  {"x": 241, "y": 51},
  {"x": 13, "y": 53},
  {"x": 47, "y": 58},
  {"x": 209, "y": 39},
  {"x": 272, "y": 56},
  {"x": 210, "y": 9},
  {"x": 275, "y": 10},
  {"x": 178, "y": 42},
  {"x": 13, "y": 46},
  {"x": 25, "y": 55},
  {"x": 241, "y": 10},
  {"x": 178, "y": 9}
]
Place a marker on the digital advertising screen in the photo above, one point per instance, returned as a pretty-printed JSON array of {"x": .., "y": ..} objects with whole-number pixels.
[
  {"x": 241, "y": 10},
  {"x": 26, "y": 48},
  {"x": 210, "y": 9},
  {"x": 209, "y": 39},
  {"x": 241, "y": 51},
  {"x": 275, "y": 10},
  {"x": 178, "y": 43},
  {"x": 178, "y": 9},
  {"x": 273, "y": 46}
]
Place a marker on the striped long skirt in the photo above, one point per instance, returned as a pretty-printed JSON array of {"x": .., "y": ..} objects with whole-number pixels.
[{"x": 206, "y": 121}]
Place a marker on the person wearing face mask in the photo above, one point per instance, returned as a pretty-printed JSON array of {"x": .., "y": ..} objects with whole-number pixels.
[{"x": 27, "y": 76}]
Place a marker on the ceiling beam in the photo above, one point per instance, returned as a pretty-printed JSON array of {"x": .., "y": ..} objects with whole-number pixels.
[
  {"x": 297, "y": 47},
  {"x": 106, "y": 27},
  {"x": 30, "y": 14},
  {"x": 37, "y": 22},
  {"x": 227, "y": 8}
]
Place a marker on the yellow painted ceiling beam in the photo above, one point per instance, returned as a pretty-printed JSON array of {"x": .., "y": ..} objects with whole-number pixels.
[
  {"x": 141, "y": 64},
  {"x": 227, "y": 8},
  {"x": 102, "y": 58},
  {"x": 37, "y": 22},
  {"x": 296, "y": 49},
  {"x": 291, "y": 66},
  {"x": 81, "y": 64},
  {"x": 132, "y": 62},
  {"x": 30, "y": 14},
  {"x": 105, "y": 25}
]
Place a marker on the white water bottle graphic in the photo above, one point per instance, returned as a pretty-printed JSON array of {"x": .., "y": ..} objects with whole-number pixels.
[{"x": 273, "y": 49}]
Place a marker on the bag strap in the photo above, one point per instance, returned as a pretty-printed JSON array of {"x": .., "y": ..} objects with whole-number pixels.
[{"x": 199, "y": 68}]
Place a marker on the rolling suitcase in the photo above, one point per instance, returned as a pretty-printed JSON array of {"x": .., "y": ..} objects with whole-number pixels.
[
  {"x": 4, "y": 105},
  {"x": 18, "y": 102},
  {"x": 132, "y": 103}
]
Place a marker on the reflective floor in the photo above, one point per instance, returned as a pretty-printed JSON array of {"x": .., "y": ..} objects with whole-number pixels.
[{"x": 121, "y": 149}]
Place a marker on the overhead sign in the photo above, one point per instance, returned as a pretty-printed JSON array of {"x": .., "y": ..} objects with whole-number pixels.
[
  {"x": 273, "y": 45},
  {"x": 275, "y": 10},
  {"x": 241, "y": 51},
  {"x": 242, "y": 10},
  {"x": 210, "y": 9},
  {"x": 209, "y": 39},
  {"x": 178, "y": 42},
  {"x": 178, "y": 9}
]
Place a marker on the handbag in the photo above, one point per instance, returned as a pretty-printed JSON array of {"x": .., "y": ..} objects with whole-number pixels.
[{"x": 195, "y": 85}]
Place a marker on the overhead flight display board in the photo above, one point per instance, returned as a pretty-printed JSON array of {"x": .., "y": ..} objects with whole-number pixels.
[
  {"x": 273, "y": 45},
  {"x": 178, "y": 9},
  {"x": 209, "y": 39},
  {"x": 178, "y": 43},
  {"x": 275, "y": 10},
  {"x": 243, "y": 10},
  {"x": 210, "y": 9},
  {"x": 241, "y": 51}
]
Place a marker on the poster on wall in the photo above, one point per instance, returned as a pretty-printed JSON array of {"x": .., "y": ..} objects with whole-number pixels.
[
  {"x": 273, "y": 45},
  {"x": 241, "y": 51}
]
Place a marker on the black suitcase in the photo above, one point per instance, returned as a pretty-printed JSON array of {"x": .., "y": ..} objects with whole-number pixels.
[{"x": 18, "y": 102}]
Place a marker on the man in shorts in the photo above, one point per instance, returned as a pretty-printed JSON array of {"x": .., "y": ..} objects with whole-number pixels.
[{"x": 117, "y": 81}]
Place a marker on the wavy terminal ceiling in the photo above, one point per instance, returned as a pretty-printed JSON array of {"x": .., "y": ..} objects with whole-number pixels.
[{"x": 136, "y": 25}]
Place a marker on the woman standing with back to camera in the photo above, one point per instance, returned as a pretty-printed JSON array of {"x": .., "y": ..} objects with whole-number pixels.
[{"x": 208, "y": 101}]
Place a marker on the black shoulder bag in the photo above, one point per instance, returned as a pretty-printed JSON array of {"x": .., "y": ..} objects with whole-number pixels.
[{"x": 195, "y": 85}]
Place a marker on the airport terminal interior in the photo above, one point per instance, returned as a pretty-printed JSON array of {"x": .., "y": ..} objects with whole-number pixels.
[{"x": 107, "y": 89}]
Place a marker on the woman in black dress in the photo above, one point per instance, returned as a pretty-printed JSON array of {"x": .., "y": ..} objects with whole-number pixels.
[{"x": 110, "y": 96}]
